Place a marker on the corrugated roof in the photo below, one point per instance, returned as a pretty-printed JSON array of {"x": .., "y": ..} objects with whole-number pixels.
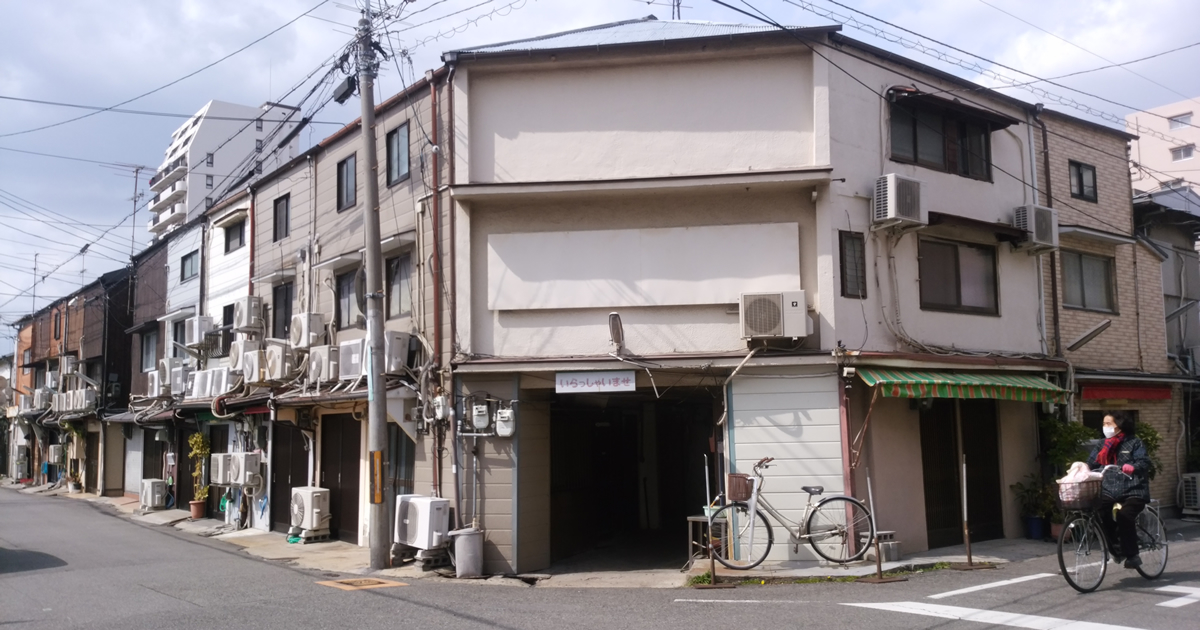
[{"x": 643, "y": 30}]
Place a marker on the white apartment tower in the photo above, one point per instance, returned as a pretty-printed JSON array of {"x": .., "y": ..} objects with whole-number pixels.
[
  {"x": 217, "y": 151},
  {"x": 1171, "y": 161}
]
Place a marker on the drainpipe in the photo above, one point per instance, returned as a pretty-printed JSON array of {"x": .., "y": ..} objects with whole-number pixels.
[
  {"x": 1033, "y": 179},
  {"x": 250, "y": 221},
  {"x": 451, "y": 158},
  {"x": 1050, "y": 204},
  {"x": 203, "y": 274},
  {"x": 436, "y": 221}
]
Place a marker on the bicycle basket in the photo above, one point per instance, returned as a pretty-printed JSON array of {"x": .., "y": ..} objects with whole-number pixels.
[
  {"x": 739, "y": 487},
  {"x": 1080, "y": 495}
]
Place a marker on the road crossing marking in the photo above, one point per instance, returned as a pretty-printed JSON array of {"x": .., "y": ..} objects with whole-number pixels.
[
  {"x": 994, "y": 617},
  {"x": 1191, "y": 596},
  {"x": 981, "y": 587},
  {"x": 740, "y": 601}
]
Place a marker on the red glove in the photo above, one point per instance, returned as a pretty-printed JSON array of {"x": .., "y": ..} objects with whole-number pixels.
[{"x": 1127, "y": 469}]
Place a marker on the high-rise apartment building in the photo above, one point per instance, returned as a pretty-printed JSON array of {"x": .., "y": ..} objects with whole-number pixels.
[{"x": 1166, "y": 163}]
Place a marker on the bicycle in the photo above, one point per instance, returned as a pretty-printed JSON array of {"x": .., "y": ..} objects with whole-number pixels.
[
  {"x": 834, "y": 526},
  {"x": 1084, "y": 546}
]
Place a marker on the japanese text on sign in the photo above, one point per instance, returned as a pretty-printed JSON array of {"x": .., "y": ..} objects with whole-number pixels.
[{"x": 579, "y": 382}]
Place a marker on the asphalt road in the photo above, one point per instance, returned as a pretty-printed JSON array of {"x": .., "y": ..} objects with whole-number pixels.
[{"x": 67, "y": 563}]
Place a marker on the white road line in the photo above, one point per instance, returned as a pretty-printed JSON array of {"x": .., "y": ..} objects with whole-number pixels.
[
  {"x": 994, "y": 617},
  {"x": 982, "y": 587},
  {"x": 740, "y": 601},
  {"x": 1191, "y": 596}
]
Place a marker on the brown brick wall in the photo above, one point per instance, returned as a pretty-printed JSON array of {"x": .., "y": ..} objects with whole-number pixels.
[{"x": 1113, "y": 210}]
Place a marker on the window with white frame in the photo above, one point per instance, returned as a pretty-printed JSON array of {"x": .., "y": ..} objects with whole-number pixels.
[
  {"x": 1180, "y": 121},
  {"x": 1179, "y": 154},
  {"x": 399, "y": 287},
  {"x": 346, "y": 185},
  {"x": 149, "y": 350},
  {"x": 189, "y": 266},
  {"x": 347, "y": 304},
  {"x": 397, "y": 154}
]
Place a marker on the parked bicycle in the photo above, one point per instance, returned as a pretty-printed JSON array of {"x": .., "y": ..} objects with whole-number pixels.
[
  {"x": 839, "y": 528},
  {"x": 1083, "y": 552}
]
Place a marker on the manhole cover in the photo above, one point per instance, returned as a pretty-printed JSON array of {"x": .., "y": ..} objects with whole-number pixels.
[{"x": 356, "y": 584}]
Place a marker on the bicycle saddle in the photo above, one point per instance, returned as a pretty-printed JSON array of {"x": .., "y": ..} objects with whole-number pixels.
[{"x": 813, "y": 489}]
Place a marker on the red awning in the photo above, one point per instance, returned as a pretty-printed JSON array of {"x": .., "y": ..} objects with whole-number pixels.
[{"x": 1127, "y": 392}]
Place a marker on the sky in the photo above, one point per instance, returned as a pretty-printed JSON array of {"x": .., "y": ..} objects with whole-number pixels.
[{"x": 101, "y": 54}]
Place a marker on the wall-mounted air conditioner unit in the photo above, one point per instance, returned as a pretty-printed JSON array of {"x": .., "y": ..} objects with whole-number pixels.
[
  {"x": 279, "y": 362},
  {"x": 1191, "y": 494},
  {"x": 239, "y": 348},
  {"x": 422, "y": 522},
  {"x": 244, "y": 469},
  {"x": 179, "y": 380},
  {"x": 218, "y": 381},
  {"x": 165, "y": 366},
  {"x": 351, "y": 359},
  {"x": 68, "y": 364},
  {"x": 774, "y": 315},
  {"x": 253, "y": 364},
  {"x": 52, "y": 379},
  {"x": 154, "y": 494},
  {"x": 58, "y": 402},
  {"x": 154, "y": 385},
  {"x": 24, "y": 402},
  {"x": 310, "y": 508},
  {"x": 306, "y": 329},
  {"x": 897, "y": 203},
  {"x": 196, "y": 328},
  {"x": 198, "y": 387},
  {"x": 86, "y": 399},
  {"x": 218, "y": 468},
  {"x": 1041, "y": 228},
  {"x": 41, "y": 399},
  {"x": 322, "y": 364},
  {"x": 54, "y": 454},
  {"x": 395, "y": 351},
  {"x": 247, "y": 314}
]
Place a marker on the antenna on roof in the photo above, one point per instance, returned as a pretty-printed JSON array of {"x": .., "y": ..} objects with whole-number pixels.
[{"x": 677, "y": 9}]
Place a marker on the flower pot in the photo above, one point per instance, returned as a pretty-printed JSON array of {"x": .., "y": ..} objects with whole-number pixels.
[
  {"x": 1034, "y": 527},
  {"x": 197, "y": 509},
  {"x": 73, "y": 487},
  {"x": 1055, "y": 530}
]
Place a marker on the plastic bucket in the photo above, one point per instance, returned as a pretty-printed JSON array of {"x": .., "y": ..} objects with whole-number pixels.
[{"x": 468, "y": 552}]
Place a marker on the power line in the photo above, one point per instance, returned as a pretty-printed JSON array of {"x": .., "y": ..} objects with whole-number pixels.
[
  {"x": 139, "y": 112},
  {"x": 67, "y": 157}
]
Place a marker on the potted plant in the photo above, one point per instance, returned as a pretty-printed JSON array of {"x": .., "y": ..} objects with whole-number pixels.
[
  {"x": 1036, "y": 504},
  {"x": 73, "y": 483},
  {"x": 199, "y": 455}
]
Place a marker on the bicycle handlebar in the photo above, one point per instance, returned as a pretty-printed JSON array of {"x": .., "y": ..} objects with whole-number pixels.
[
  {"x": 1116, "y": 468},
  {"x": 762, "y": 463}
]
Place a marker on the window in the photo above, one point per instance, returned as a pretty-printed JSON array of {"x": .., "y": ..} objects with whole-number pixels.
[
  {"x": 345, "y": 183},
  {"x": 258, "y": 124},
  {"x": 26, "y": 357},
  {"x": 226, "y": 329},
  {"x": 189, "y": 266},
  {"x": 57, "y": 325},
  {"x": 258, "y": 145},
  {"x": 208, "y": 159},
  {"x": 208, "y": 203},
  {"x": 1083, "y": 180},
  {"x": 929, "y": 137},
  {"x": 283, "y": 211},
  {"x": 957, "y": 277},
  {"x": 397, "y": 154},
  {"x": 281, "y": 310},
  {"x": 235, "y": 236},
  {"x": 854, "y": 264},
  {"x": 399, "y": 287},
  {"x": 258, "y": 167},
  {"x": 1180, "y": 121},
  {"x": 347, "y": 304},
  {"x": 149, "y": 350},
  {"x": 178, "y": 336},
  {"x": 1179, "y": 154},
  {"x": 1087, "y": 281},
  {"x": 208, "y": 182}
]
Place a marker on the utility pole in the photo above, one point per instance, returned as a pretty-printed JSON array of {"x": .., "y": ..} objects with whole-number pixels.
[
  {"x": 137, "y": 196},
  {"x": 34, "y": 309},
  {"x": 368, "y": 66}
]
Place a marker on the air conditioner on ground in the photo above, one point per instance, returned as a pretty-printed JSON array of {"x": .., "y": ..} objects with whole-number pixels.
[
  {"x": 68, "y": 364},
  {"x": 322, "y": 364},
  {"x": 247, "y": 314},
  {"x": 41, "y": 399},
  {"x": 1041, "y": 228},
  {"x": 310, "y": 508},
  {"x": 196, "y": 328},
  {"x": 897, "y": 203},
  {"x": 218, "y": 468},
  {"x": 179, "y": 380},
  {"x": 1191, "y": 494},
  {"x": 351, "y": 359},
  {"x": 218, "y": 381},
  {"x": 306, "y": 329},
  {"x": 422, "y": 522},
  {"x": 243, "y": 469},
  {"x": 52, "y": 379},
  {"x": 54, "y": 454},
  {"x": 154, "y": 494},
  {"x": 154, "y": 385},
  {"x": 279, "y": 362},
  {"x": 198, "y": 388},
  {"x": 767, "y": 315},
  {"x": 252, "y": 365},
  {"x": 395, "y": 351},
  {"x": 238, "y": 349}
]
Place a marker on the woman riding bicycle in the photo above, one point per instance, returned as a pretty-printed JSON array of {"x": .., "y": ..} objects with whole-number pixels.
[{"x": 1125, "y": 486}]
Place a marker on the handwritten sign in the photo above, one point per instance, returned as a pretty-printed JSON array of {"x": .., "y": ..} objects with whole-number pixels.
[{"x": 581, "y": 382}]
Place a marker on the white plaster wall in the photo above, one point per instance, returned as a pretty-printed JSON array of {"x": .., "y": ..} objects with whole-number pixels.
[
  {"x": 227, "y": 274},
  {"x": 711, "y": 115},
  {"x": 182, "y": 294},
  {"x": 1155, "y": 153}
]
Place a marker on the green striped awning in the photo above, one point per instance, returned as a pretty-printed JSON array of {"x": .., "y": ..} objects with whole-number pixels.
[{"x": 933, "y": 384}]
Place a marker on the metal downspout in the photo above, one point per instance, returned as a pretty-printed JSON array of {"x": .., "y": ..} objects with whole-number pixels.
[{"x": 1050, "y": 204}]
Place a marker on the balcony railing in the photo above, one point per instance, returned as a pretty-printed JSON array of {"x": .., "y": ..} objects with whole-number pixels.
[
  {"x": 169, "y": 174},
  {"x": 172, "y": 215},
  {"x": 163, "y": 200}
]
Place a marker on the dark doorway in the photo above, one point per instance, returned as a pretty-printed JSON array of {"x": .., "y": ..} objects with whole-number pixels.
[
  {"x": 218, "y": 442},
  {"x": 340, "y": 440},
  {"x": 398, "y": 478},
  {"x": 152, "y": 454},
  {"x": 185, "y": 490},
  {"x": 941, "y": 466},
  {"x": 289, "y": 469},
  {"x": 91, "y": 461}
]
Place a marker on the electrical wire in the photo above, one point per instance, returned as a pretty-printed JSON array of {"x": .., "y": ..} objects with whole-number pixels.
[{"x": 140, "y": 112}]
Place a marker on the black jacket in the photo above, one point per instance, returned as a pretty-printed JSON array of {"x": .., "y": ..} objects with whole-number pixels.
[{"x": 1116, "y": 486}]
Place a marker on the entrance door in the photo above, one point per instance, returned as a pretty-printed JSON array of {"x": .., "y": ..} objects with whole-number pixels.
[
  {"x": 340, "y": 435},
  {"x": 398, "y": 478},
  {"x": 152, "y": 454},
  {"x": 981, "y": 448},
  {"x": 289, "y": 469},
  {"x": 218, "y": 442},
  {"x": 941, "y": 465},
  {"x": 91, "y": 461}
]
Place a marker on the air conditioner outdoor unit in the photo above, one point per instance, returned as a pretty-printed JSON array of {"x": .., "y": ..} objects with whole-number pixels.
[
  {"x": 218, "y": 468},
  {"x": 422, "y": 522},
  {"x": 41, "y": 399},
  {"x": 179, "y": 380},
  {"x": 351, "y": 359},
  {"x": 68, "y": 364},
  {"x": 1191, "y": 494},
  {"x": 198, "y": 387},
  {"x": 75, "y": 400},
  {"x": 24, "y": 402},
  {"x": 154, "y": 494},
  {"x": 322, "y": 364},
  {"x": 780, "y": 315},
  {"x": 52, "y": 379},
  {"x": 196, "y": 328},
  {"x": 253, "y": 364},
  {"x": 310, "y": 508},
  {"x": 279, "y": 362},
  {"x": 86, "y": 399},
  {"x": 897, "y": 203},
  {"x": 165, "y": 366},
  {"x": 247, "y": 314},
  {"x": 154, "y": 385},
  {"x": 54, "y": 454},
  {"x": 238, "y": 349},
  {"x": 1041, "y": 228},
  {"x": 218, "y": 381},
  {"x": 57, "y": 404},
  {"x": 395, "y": 351},
  {"x": 243, "y": 469},
  {"x": 306, "y": 329}
]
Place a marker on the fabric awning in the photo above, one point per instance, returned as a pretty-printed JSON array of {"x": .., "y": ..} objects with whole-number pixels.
[{"x": 934, "y": 384}]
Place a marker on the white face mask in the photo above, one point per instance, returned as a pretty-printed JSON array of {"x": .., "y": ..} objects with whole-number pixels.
[{"x": 1110, "y": 431}]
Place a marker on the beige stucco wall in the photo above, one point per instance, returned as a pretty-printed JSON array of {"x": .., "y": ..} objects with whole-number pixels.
[{"x": 1155, "y": 153}]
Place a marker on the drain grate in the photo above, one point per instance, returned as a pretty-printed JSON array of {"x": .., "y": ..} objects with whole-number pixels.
[{"x": 358, "y": 584}]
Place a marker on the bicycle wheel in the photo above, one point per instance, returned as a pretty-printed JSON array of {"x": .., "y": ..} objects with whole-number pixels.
[
  {"x": 741, "y": 542},
  {"x": 840, "y": 529},
  {"x": 1083, "y": 554},
  {"x": 1152, "y": 544}
]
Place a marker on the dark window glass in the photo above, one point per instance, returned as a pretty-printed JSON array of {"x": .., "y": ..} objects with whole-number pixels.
[
  {"x": 397, "y": 154},
  {"x": 208, "y": 159},
  {"x": 854, "y": 265},
  {"x": 1083, "y": 181},
  {"x": 178, "y": 336},
  {"x": 258, "y": 145},
  {"x": 235, "y": 236},
  {"x": 208, "y": 181},
  {"x": 226, "y": 329},
  {"x": 283, "y": 211},
  {"x": 149, "y": 350},
  {"x": 941, "y": 140},
  {"x": 347, "y": 305},
  {"x": 258, "y": 125},
  {"x": 189, "y": 266},
  {"x": 958, "y": 277},
  {"x": 281, "y": 310},
  {"x": 346, "y": 175},
  {"x": 1087, "y": 281},
  {"x": 57, "y": 324},
  {"x": 399, "y": 290}
]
